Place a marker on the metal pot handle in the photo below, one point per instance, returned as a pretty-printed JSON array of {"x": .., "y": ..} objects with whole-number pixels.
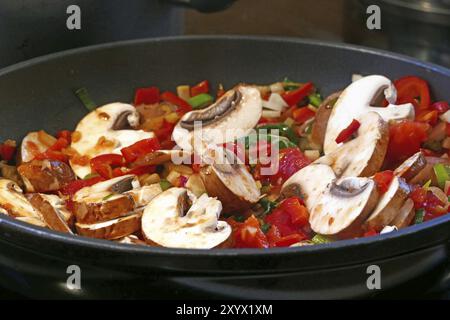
[{"x": 205, "y": 6}]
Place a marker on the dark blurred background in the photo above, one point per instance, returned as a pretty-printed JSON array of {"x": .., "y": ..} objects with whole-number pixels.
[{"x": 419, "y": 28}]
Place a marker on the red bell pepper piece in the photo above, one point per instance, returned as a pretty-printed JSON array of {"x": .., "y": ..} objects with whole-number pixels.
[
  {"x": 370, "y": 233},
  {"x": 103, "y": 164},
  {"x": 7, "y": 151},
  {"x": 301, "y": 115},
  {"x": 165, "y": 132},
  {"x": 249, "y": 234},
  {"x": 146, "y": 96},
  {"x": 411, "y": 89},
  {"x": 183, "y": 106},
  {"x": 54, "y": 151},
  {"x": 289, "y": 240},
  {"x": 220, "y": 91},
  {"x": 139, "y": 149},
  {"x": 428, "y": 116},
  {"x": 295, "y": 96},
  {"x": 383, "y": 180},
  {"x": 348, "y": 132},
  {"x": 202, "y": 87},
  {"x": 440, "y": 106},
  {"x": 405, "y": 139},
  {"x": 71, "y": 188},
  {"x": 289, "y": 217}
]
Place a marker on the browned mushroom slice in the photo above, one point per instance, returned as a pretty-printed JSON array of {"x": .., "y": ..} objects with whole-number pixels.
[
  {"x": 323, "y": 113},
  {"x": 427, "y": 173},
  {"x": 232, "y": 184},
  {"x": 131, "y": 239},
  {"x": 343, "y": 207},
  {"x": 364, "y": 155},
  {"x": 405, "y": 215},
  {"x": 53, "y": 211},
  {"x": 14, "y": 203},
  {"x": 111, "y": 229},
  {"x": 411, "y": 167},
  {"x": 388, "y": 205},
  {"x": 45, "y": 175},
  {"x": 111, "y": 199}
]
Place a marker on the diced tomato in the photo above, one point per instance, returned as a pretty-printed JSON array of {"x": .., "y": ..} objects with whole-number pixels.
[
  {"x": 290, "y": 161},
  {"x": 7, "y": 151},
  {"x": 440, "y": 106},
  {"x": 54, "y": 151},
  {"x": 293, "y": 97},
  {"x": 263, "y": 120},
  {"x": 289, "y": 217},
  {"x": 405, "y": 139},
  {"x": 411, "y": 89},
  {"x": 103, "y": 164},
  {"x": 348, "y": 132},
  {"x": 140, "y": 149},
  {"x": 146, "y": 96},
  {"x": 202, "y": 87},
  {"x": 383, "y": 180},
  {"x": 183, "y": 106},
  {"x": 249, "y": 234},
  {"x": 301, "y": 115},
  {"x": 428, "y": 116},
  {"x": 425, "y": 199},
  {"x": 71, "y": 188},
  {"x": 65, "y": 134}
]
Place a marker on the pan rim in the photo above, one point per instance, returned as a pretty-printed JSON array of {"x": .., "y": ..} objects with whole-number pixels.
[{"x": 14, "y": 225}]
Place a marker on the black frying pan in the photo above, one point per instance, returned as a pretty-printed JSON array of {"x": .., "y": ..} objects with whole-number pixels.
[{"x": 38, "y": 94}]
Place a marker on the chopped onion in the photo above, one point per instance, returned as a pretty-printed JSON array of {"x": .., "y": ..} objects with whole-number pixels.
[
  {"x": 356, "y": 77},
  {"x": 388, "y": 229},
  {"x": 312, "y": 155},
  {"x": 277, "y": 87},
  {"x": 445, "y": 116},
  {"x": 271, "y": 114},
  {"x": 275, "y": 102}
]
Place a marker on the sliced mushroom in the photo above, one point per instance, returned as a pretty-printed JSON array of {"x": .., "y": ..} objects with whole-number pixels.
[
  {"x": 343, "y": 207},
  {"x": 10, "y": 173},
  {"x": 405, "y": 215},
  {"x": 45, "y": 175},
  {"x": 14, "y": 203},
  {"x": 323, "y": 114},
  {"x": 32, "y": 143},
  {"x": 178, "y": 219},
  {"x": 411, "y": 167},
  {"x": 112, "y": 199},
  {"x": 359, "y": 98},
  {"x": 131, "y": 239},
  {"x": 309, "y": 183},
  {"x": 34, "y": 221},
  {"x": 53, "y": 211},
  {"x": 232, "y": 116},
  {"x": 388, "y": 205},
  {"x": 106, "y": 130},
  {"x": 427, "y": 173},
  {"x": 163, "y": 156},
  {"x": 230, "y": 182},
  {"x": 364, "y": 155},
  {"x": 111, "y": 229}
]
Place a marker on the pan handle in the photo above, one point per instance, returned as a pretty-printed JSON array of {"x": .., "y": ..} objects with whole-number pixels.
[{"x": 205, "y": 6}]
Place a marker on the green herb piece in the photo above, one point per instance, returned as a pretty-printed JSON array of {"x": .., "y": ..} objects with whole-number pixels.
[
  {"x": 319, "y": 239},
  {"x": 164, "y": 184},
  {"x": 84, "y": 97},
  {"x": 267, "y": 205},
  {"x": 420, "y": 214}
]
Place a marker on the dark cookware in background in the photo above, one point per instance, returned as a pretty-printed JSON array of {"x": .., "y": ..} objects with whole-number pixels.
[
  {"x": 33, "y": 261},
  {"x": 419, "y": 28},
  {"x": 30, "y": 28}
]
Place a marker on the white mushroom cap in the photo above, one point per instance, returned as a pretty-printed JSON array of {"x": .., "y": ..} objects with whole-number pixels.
[
  {"x": 32, "y": 139},
  {"x": 232, "y": 116},
  {"x": 177, "y": 219},
  {"x": 343, "y": 207},
  {"x": 357, "y": 99},
  {"x": 114, "y": 122},
  {"x": 364, "y": 155}
]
